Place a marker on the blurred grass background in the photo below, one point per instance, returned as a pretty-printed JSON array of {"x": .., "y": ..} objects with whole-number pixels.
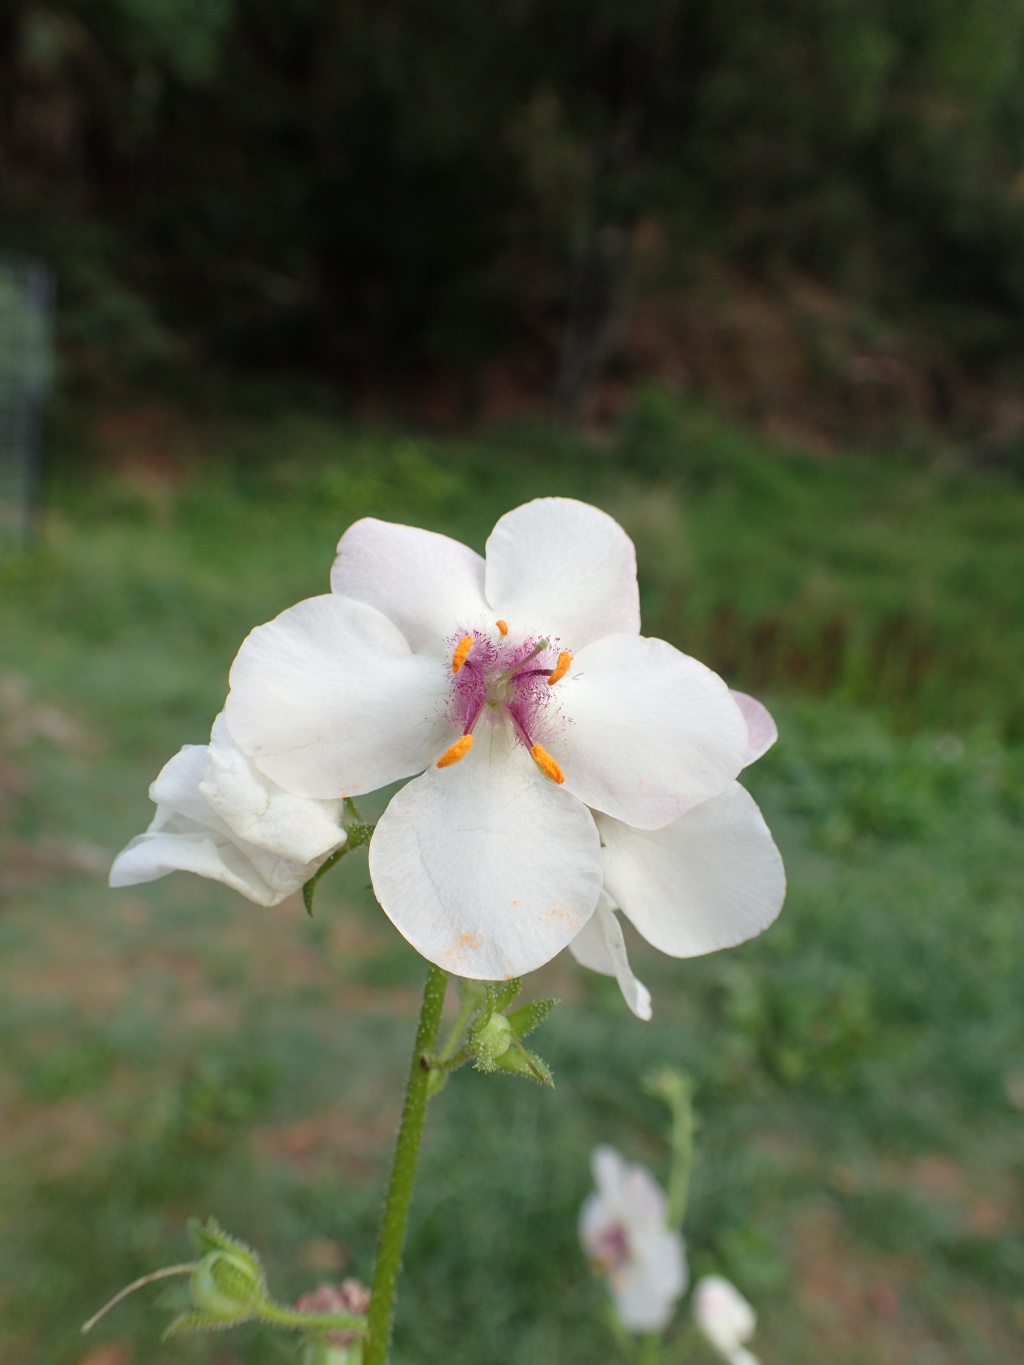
[{"x": 171, "y": 1050}]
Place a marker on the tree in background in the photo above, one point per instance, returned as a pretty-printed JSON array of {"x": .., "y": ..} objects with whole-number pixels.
[{"x": 375, "y": 187}]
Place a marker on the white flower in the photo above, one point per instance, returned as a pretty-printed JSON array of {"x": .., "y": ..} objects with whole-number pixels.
[
  {"x": 541, "y": 723},
  {"x": 709, "y": 880},
  {"x": 217, "y": 815},
  {"x": 623, "y": 1231},
  {"x": 725, "y": 1318}
]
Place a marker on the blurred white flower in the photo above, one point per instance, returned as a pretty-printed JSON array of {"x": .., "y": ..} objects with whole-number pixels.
[
  {"x": 624, "y": 1233},
  {"x": 541, "y": 723},
  {"x": 218, "y": 816},
  {"x": 725, "y": 1317}
]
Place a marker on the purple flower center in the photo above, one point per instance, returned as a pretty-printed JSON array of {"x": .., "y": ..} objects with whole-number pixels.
[
  {"x": 611, "y": 1247},
  {"x": 507, "y": 676}
]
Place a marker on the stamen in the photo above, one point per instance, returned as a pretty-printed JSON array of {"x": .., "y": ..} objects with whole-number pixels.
[
  {"x": 461, "y": 652},
  {"x": 454, "y": 752},
  {"x": 537, "y": 649},
  {"x": 561, "y": 668},
  {"x": 502, "y": 628},
  {"x": 546, "y": 764}
]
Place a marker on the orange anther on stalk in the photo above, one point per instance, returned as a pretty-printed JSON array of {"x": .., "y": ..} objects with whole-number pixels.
[
  {"x": 502, "y": 628},
  {"x": 547, "y": 764},
  {"x": 461, "y": 652},
  {"x": 454, "y": 752},
  {"x": 560, "y": 669}
]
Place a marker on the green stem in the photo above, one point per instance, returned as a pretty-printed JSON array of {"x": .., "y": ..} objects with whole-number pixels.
[
  {"x": 458, "y": 1028},
  {"x": 403, "y": 1173},
  {"x": 650, "y": 1349},
  {"x": 682, "y": 1155},
  {"x": 313, "y": 1322}
]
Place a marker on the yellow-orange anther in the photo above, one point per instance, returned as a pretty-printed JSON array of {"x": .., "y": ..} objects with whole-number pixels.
[
  {"x": 547, "y": 764},
  {"x": 458, "y": 750},
  {"x": 560, "y": 669},
  {"x": 461, "y": 652},
  {"x": 502, "y": 628}
]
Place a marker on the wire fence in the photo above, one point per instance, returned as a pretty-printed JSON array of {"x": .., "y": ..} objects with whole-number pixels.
[{"x": 26, "y": 362}]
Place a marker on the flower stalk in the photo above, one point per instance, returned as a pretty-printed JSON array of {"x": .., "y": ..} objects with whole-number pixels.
[{"x": 403, "y": 1171}]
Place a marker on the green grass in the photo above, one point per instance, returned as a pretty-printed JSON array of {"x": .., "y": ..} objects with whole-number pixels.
[{"x": 172, "y": 1050}]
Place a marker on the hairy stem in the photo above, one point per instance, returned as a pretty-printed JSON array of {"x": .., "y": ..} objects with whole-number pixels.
[{"x": 403, "y": 1173}]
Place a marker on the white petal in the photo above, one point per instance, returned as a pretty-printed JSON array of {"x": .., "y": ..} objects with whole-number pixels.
[
  {"x": 609, "y": 1170},
  {"x": 646, "y": 1290},
  {"x": 188, "y": 835},
  {"x": 648, "y": 731},
  {"x": 177, "y": 784},
  {"x": 597, "y": 1217},
  {"x": 153, "y": 855},
  {"x": 723, "y": 1314},
  {"x": 429, "y": 585},
  {"x": 330, "y": 701},
  {"x": 600, "y": 946},
  {"x": 762, "y": 732},
  {"x": 645, "y": 1199},
  {"x": 487, "y": 867},
  {"x": 260, "y": 812},
  {"x": 741, "y": 1356},
  {"x": 564, "y": 569},
  {"x": 709, "y": 880}
]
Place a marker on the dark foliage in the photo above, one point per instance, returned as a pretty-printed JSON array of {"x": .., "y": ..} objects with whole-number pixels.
[{"x": 371, "y": 186}]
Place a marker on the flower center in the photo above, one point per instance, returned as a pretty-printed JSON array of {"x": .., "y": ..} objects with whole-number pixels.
[
  {"x": 610, "y": 1250},
  {"x": 510, "y": 676}
]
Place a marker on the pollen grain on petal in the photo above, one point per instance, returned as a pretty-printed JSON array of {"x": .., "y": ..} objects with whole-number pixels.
[
  {"x": 561, "y": 668},
  {"x": 547, "y": 764},
  {"x": 502, "y": 628},
  {"x": 455, "y": 751},
  {"x": 461, "y": 653}
]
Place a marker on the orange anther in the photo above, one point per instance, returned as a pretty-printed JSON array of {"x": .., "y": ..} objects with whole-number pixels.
[
  {"x": 560, "y": 669},
  {"x": 547, "y": 764},
  {"x": 458, "y": 750},
  {"x": 502, "y": 627},
  {"x": 461, "y": 652}
]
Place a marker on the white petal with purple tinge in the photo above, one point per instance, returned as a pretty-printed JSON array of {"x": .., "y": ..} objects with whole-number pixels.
[{"x": 709, "y": 880}]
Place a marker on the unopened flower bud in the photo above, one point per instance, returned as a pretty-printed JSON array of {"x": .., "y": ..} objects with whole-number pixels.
[
  {"x": 491, "y": 1040},
  {"x": 227, "y": 1286}
]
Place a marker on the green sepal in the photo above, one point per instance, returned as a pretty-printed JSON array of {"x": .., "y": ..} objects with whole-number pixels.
[
  {"x": 527, "y": 1017},
  {"x": 500, "y": 995},
  {"x": 210, "y": 1236},
  {"x": 521, "y": 1062},
  {"x": 359, "y": 834}
]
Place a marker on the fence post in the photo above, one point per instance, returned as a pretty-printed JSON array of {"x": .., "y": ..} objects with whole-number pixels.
[{"x": 26, "y": 363}]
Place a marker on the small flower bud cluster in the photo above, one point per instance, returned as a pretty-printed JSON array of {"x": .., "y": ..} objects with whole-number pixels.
[
  {"x": 495, "y": 1038},
  {"x": 339, "y": 1347}
]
